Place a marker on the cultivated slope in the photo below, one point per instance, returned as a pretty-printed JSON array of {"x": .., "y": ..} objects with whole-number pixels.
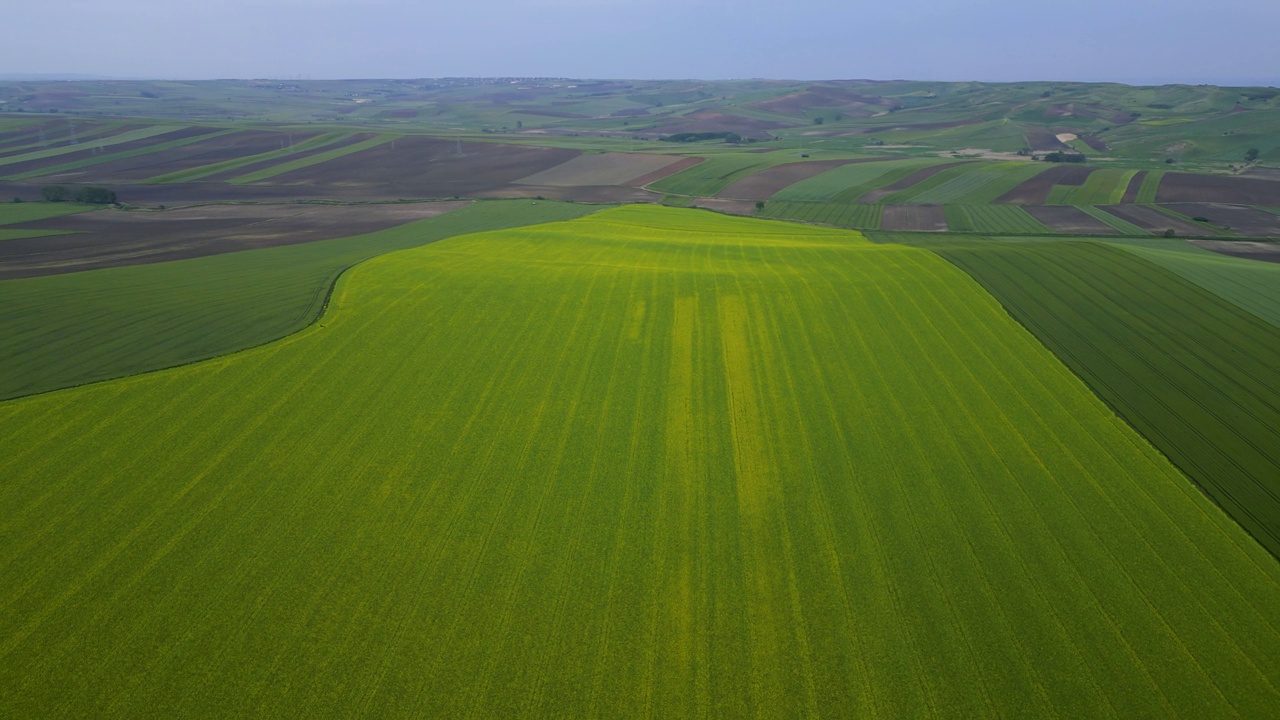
[{"x": 646, "y": 463}]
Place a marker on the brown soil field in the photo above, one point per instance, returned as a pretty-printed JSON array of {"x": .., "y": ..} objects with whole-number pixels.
[
  {"x": 926, "y": 218},
  {"x": 110, "y": 238},
  {"x": 422, "y": 167},
  {"x": 1265, "y": 251},
  {"x": 1242, "y": 220},
  {"x": 731, "y": 207},
  {"x": 1185, "y": 187},
  {"x": 1135, "y": 185},
  {"x": 668, "y": 171},
  {"x": 263, "y": 164},
  {"x": 1153, "y": 220},
  {"x": 601, "y": 169},
  {"x": 1068, "y": 219},
  {"x": 768, "y": 182},
  {"x": 1035, "y": 191},
  {"x": 56, "y": 135},
  {"x": 903, "y": 184},
  {"x": 1043, "y": 140},
  {"x": 1095, "y": 142},
  {"x": 226, "y": 147},
  {"x": 89, "y": 150}
]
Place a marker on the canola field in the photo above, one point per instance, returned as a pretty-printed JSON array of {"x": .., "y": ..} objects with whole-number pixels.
[{"x": 647, "y": 463}]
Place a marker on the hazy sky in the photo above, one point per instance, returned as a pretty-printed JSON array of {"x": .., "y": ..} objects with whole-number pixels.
[{"x": 1222, "y": 41}]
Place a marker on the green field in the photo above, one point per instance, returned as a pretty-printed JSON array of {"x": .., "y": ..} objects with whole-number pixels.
[
  {"x": 650, "y": 462},
  {"x": 858, "y": 216},
  {"x": 1000, "y": 219},
  {"x": 1120, "y": 225},
  {"x": 973, "y": 183},
  {"x": 1189, "y": 368},
  {"x": 718, "y": 172},
  {"x": 847, "y": 183},
  {"x": 71, "y": 329},
  {"x": 1102, "y": 187},
  {"x": 13, "y": 213}
]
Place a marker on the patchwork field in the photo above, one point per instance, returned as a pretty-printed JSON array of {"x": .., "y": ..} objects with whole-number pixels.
[
  {"x": 70, "y": 329},
  {"x": 601, "y": 169},
  {"x": 735, "y": 468}
]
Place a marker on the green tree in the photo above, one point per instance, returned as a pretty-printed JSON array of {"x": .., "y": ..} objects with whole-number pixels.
[
  {"x": 1251, "y": 155},
  {"x": 95, "y": 196},
  {"x": 55, "y": 193}
]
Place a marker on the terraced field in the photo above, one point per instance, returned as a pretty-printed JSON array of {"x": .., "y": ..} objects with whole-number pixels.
[{"x": 650, "y": 462}]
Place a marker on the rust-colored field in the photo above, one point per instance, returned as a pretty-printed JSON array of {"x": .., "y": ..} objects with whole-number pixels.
[
  {"x": 924, "y": 218},
  {"x": 1069, "y": 219},
  {"x": 110, "y": 238}
]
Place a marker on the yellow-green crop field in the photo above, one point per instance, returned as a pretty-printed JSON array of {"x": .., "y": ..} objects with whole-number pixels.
[{"x": 647, "y": 463}]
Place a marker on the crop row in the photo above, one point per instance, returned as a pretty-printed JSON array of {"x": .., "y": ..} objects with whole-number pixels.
[
  {"x": 71, "y": 329},
  {"x": 974, "y": 183},
  {"x": 648, "y": 463},
  {"x": 850, "y": 215},
  {"x": 998, "y": 219},
  {"x": 1188, "y": 369}
]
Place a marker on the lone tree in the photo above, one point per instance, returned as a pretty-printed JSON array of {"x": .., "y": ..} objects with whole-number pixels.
[
  {"x": 55, "y": 193},
  {"x": 95, "y": 196},
  {"x": 1251, "y": 155}
]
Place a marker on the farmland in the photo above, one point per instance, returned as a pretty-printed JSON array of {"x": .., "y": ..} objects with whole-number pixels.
[
  {"x": 716, "y": 476},
  {"x": 368, "y": 399},
  {"x": 76, "y": 328}
]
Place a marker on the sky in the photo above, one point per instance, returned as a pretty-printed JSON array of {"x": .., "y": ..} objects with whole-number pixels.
[{"x": 1136, "y": 41}]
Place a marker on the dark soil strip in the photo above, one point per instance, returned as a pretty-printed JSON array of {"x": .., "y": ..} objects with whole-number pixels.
[
  {"x": 767, "y": 183},
  {"x": 920, "y": 218},
  {"x": 1094, "y": 142},
  {"x": 1154, "y": 220},
  {"x": 1264, "y": 251},
  {"x": 90, "y": 151},
  {"x": 1135, "y": 184},
  {"x": 1185, "y": 187},
  {"x": 1069, "y": 220},
  {"x": 667, "y": 171},
  {"x": 262, "y": 165},
  {"x": 225, "y": 147},
  {"x": 1044, "y": 140},
  {"x": 1036, "y": 190},
  {"x": 906, "y": 182},
  {"x": 113, "y": 239},
  {"x": 1247, "y": 221}
]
